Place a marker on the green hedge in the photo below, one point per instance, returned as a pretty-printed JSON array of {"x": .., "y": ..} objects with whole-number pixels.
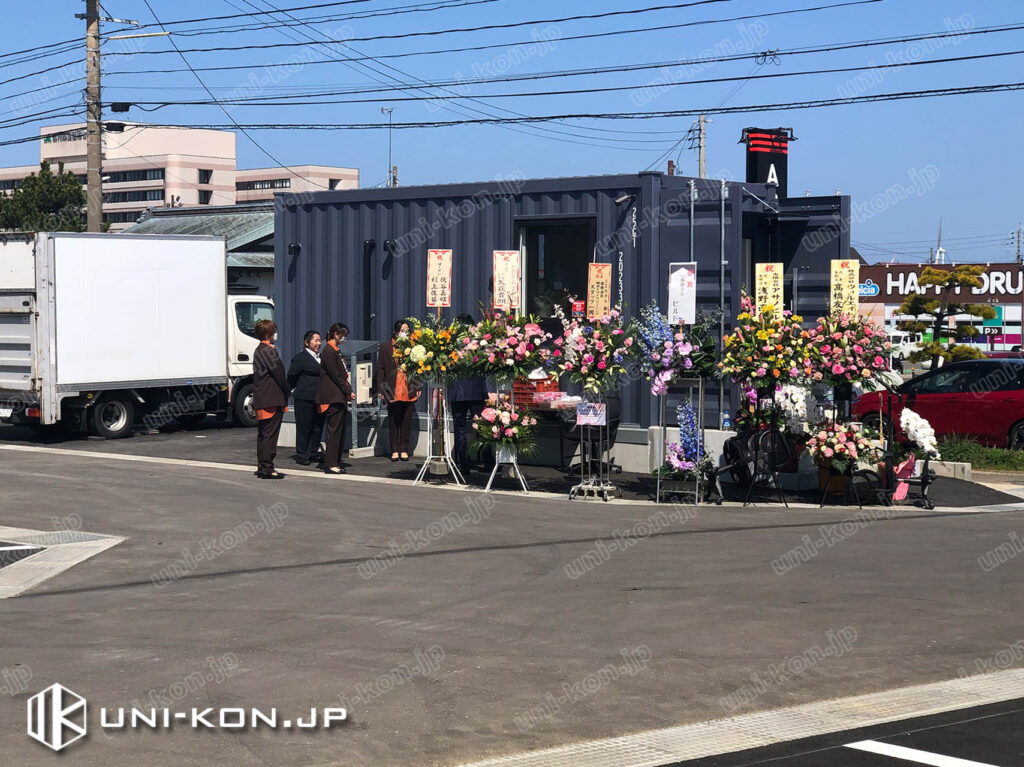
[{"x": 961, "y": 449}]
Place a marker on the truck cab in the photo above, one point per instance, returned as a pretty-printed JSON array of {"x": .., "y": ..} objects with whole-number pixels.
[{"x": 243, "y": 314}]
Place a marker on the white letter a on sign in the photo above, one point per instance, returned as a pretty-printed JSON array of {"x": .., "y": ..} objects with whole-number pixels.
[{"x": 773, "y": 177}]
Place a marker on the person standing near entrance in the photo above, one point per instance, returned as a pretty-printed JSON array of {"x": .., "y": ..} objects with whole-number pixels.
[
  {"x": 466, "y": 397},
  {"x": 304, "y": 378},
  {"x": 269, "y": 398},
  {"x": 399, "y": 393},
  {"x": 333, "y": 395}
]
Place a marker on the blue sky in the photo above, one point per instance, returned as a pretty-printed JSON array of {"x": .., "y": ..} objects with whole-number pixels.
[{"x": 904, "y": 163}]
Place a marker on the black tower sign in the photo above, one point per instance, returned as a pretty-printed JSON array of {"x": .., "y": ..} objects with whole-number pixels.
[{"x": 768, "y": 156}]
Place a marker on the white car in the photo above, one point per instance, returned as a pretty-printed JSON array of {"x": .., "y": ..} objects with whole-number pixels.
[{"x": 904, "y": 343}]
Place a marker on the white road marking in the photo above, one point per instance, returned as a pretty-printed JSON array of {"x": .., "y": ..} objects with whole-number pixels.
[
  {"x": 914, "y": 755},
  {"x": 765, "y": 728}
]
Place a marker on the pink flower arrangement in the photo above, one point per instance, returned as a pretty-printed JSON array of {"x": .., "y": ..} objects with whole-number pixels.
[
  {"x": 504, "y": 348},
  {"x": 848, "y": 349},
  {"x": 594, "y": 353},
  {"x": 840, "y": 445},
  {"x": 502, "y": 424}
]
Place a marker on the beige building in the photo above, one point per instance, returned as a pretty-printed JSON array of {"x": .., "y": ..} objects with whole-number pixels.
[
  {"x": 149, "y": 166},
  {"x": 260, "y": 184}
]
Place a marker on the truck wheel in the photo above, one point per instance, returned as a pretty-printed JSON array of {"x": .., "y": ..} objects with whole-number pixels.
[
  {"x": 244, "y": 412},
  {"x": 113, "y": 417}
]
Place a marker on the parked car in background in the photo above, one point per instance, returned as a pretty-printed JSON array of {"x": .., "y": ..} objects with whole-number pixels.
[
  {"x": 981, "y": 399},
  {"x": 903, "y": 343}
]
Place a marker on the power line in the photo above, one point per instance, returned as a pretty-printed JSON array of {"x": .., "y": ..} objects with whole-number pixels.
[
  {"x": 41, "y": 71},
  {"x": 226, "y": 113},
  {"x": 815, "y": 104},
  {"x": 593, "y": 35},
  {"x": 280, "y": 100},
  {"x": 9, "y": 62},
  {"x": 458, "y": 109},
  {"x": 165, "y": 24},
  {"x": 489, "y": 27},
  {"x": 436, "y": 5},
  {"x": 37, "y": 48}
]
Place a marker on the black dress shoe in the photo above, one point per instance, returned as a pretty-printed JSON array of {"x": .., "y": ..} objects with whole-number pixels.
[{"x": 302, "y": 461}]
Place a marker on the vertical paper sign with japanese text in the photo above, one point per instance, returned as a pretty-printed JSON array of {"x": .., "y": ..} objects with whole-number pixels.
[
  {"x": 768, "y": 286},
  {"x": 682, "y": 293},
  {"x": 845, "y": 287},
  {"x": 439, "y": 278},
  {"x": 506, "y": 280},
  {"x": 599, "y": 290}
]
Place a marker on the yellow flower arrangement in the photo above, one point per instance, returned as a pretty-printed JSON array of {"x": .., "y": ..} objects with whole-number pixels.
[{"x": 429, "y": 351}]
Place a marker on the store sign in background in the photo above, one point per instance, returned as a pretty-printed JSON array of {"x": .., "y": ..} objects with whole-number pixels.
[
  {"x": 599, "y": 290},
  {"x": 506, "y": 279},
  {"x": 439, "y": 278},
  {"x": 768, "y": 287},
  {"x": 845, "y": 286},
  {"x": 891, "y": 283},
  {"x": 682, "y": 293}
]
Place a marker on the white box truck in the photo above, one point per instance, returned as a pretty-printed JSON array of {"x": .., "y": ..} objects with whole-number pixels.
[{"x": 103, "y": 332}]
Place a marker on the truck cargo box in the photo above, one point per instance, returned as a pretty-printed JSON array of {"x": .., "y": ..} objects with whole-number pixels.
[{"x": 110, "y": 311}]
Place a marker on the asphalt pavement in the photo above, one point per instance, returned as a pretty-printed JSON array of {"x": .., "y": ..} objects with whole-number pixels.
[{"x": 447, "y": 621}]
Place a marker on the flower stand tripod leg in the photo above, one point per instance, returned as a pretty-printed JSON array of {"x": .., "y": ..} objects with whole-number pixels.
[
  {"x": 430, "y": 440},
  {"x": 448, "y": 442}
]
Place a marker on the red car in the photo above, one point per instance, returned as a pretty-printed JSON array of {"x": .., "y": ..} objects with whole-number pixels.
[{"x": 982, "y": 399}]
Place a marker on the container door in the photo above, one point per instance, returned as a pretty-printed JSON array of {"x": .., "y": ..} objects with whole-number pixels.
[{"x": 17, "y": 330}]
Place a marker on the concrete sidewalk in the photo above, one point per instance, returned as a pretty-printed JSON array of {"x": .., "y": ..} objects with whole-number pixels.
[{"x": 518, "y": 624}]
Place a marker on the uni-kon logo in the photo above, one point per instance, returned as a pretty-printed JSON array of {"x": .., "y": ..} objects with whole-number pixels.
[{"x": 57, "y": 717}]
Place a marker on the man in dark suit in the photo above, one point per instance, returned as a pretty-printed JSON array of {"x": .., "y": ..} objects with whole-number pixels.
[
  {"x": 466, "y": 397},
  {"x": 304, "y": 378},
  {"x": 333, "y": 395},
  {"x": 269, "y": 398}
]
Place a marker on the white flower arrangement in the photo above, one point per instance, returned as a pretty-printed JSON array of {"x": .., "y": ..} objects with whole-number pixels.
[
  {"x": 792, "y": 401},
  {"x": 919, "y": 431},
  {"x": 419, "y": 354}
]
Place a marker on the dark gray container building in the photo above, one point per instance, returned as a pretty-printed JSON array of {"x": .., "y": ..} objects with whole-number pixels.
[{"x": 359, "y": 256}]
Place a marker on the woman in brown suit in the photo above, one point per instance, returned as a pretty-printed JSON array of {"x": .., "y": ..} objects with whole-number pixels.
[
  {"x": 399, "y": 394},
  {"x": 269, "y": 398},
  {"x": 333, "y": 396}
]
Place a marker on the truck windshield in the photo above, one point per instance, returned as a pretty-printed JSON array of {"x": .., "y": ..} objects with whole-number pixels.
[{"x": 248, "y": 313}]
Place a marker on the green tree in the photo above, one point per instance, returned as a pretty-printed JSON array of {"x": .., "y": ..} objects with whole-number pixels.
[
  {"x": 46, "y": 202},
  {"x": 939, "y": 308}
]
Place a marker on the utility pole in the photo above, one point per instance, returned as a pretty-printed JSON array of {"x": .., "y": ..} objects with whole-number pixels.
[
  {"x": 701, "y": 169},
  {"x": 1019, "y": 235},
  {"x": 94, "y": 118},
  {"x": 394, "y": 176},
  {"x": 392, "y": 170}
]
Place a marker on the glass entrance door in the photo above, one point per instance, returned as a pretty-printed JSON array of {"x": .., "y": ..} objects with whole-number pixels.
[{"x": 555, "y": 258}]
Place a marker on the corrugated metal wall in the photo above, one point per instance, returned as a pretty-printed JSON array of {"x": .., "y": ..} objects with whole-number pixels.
[{"x": 324, "y": 283}]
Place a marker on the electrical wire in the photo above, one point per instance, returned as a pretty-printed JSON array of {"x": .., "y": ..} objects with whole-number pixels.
[
  {"x": 436, "y": 5},
  {"x": 574, "y": 139},
  {"x": 489, "y": 27},
  {"x": 815, "y": 104},
  {"x": 226, "y": 112},
  {"x": 73, "y": 62},
  {"x": 165, "y": 24},
  {"x": 599, "y": 70},
  {"x": 280, "y": 100}
]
